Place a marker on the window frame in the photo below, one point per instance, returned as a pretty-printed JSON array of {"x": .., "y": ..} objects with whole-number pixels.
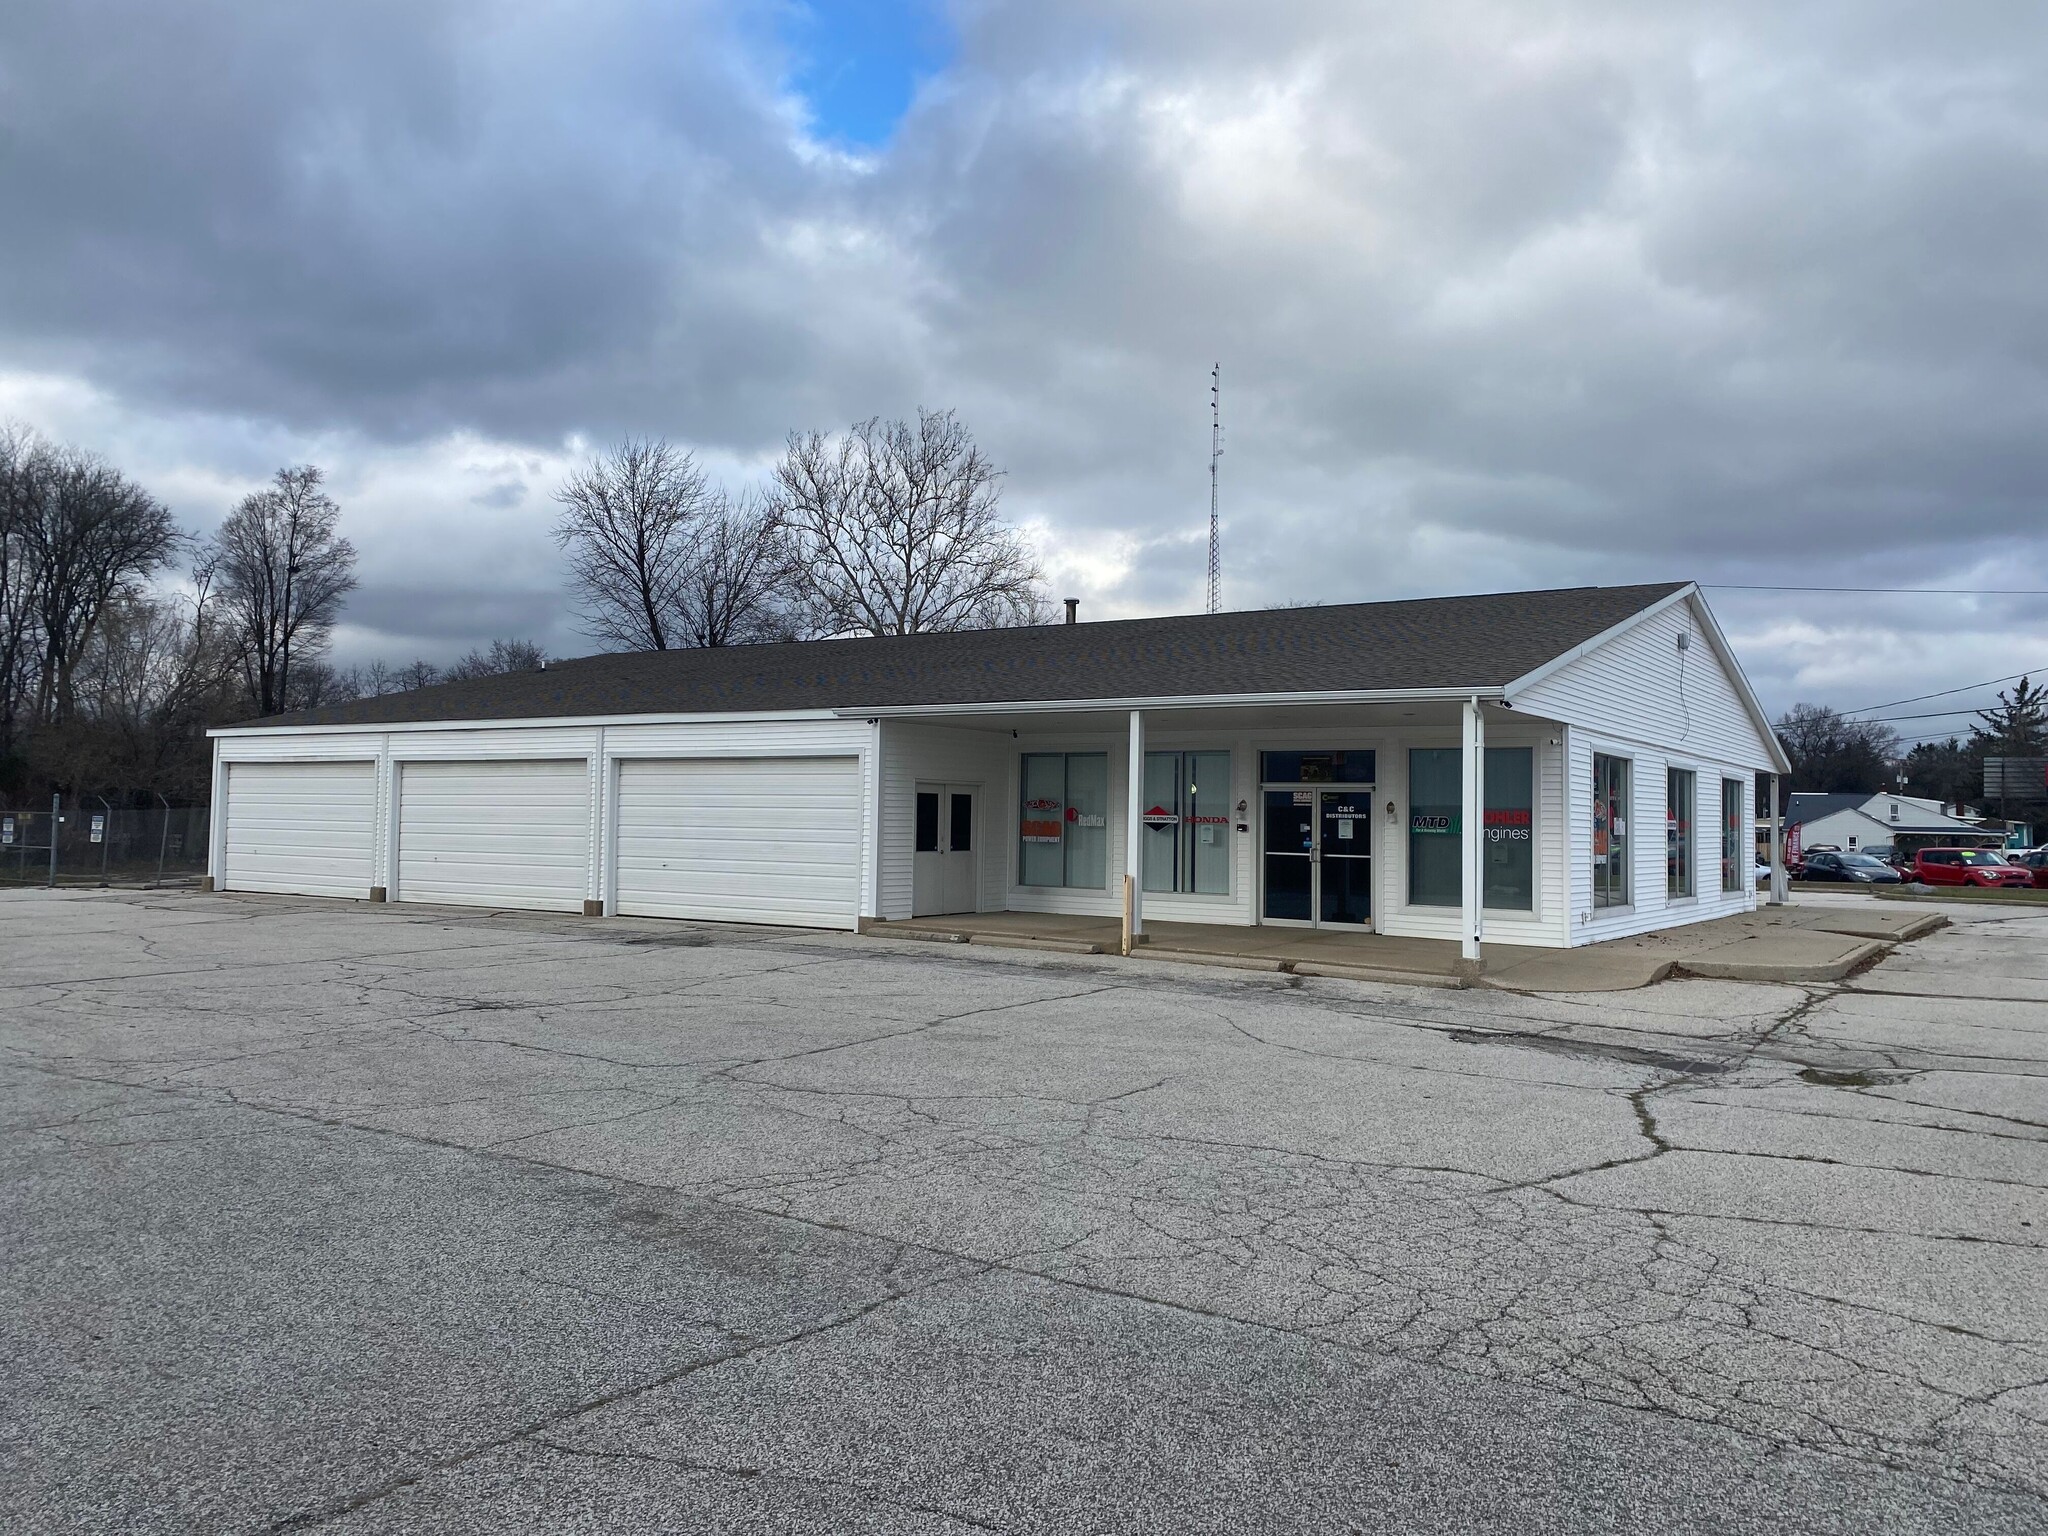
[
  {"x": 1066, "y": 881},
  {"x": 1535, "y": 905},
  {"x": 1627, "y": 785},
  {"x": 1732, "y": 881},
  {"x": 1184, "y": 830},
  {"x": 1681, "y": 836},
  {"x": 1456, "y": 832}
]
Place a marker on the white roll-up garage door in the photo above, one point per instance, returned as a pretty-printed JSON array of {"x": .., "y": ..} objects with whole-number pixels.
[
  {"x": 300, "y": 828},
  {"x": 744, "y": 840},
  {"x": 497, "y": 834}
]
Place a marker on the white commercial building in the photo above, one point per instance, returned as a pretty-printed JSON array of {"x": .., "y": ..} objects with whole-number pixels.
[{"x": 1306, "y": 766}]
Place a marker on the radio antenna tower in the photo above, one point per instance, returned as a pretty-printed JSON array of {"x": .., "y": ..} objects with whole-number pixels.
[{"x": 1215, "y": 453}]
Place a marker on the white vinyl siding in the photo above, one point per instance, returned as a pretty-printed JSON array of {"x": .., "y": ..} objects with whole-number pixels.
[
  {"x": 746, "y": 840},
  {"x": 306, "y": 829},
  {"x": 500, "y": 834},
  {"x": 1639, "y": 686},
  {"x": 913, "y": 754}
]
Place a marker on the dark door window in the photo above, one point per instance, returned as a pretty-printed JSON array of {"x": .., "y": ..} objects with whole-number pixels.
[
  {"x": 927, "y": 821},
  {"x": 1345, "y": 831},
  {"x": 963, "y": 823},
  {"x": 1290, "y": 854}
]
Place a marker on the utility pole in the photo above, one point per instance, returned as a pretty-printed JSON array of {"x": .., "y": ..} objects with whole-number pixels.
[{"x": 1215, "y": 453}]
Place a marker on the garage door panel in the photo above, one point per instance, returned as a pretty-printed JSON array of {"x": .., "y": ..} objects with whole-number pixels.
[
  {"x": 303, "y": 829},
  {"x": 500, "y": 834},
  {"x": 765, "y": 840}
]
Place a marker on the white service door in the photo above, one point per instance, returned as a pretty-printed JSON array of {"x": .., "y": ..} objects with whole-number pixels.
[
  {"x": 943, "y": 872},
  {"x": 500, "y": 834},
  {"x": 742, "y": 840},
  {"x": 301, "y": 829}
]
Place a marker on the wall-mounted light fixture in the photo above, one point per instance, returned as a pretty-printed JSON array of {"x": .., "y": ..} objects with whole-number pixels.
[{"x": 1392, "y": 815}]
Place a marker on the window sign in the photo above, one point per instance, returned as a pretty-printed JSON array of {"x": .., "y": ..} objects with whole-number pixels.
[
  {"x": 1734, "y": 868},
  {"x": 1356, "y": 767},
  {"x": 1681, "y": 806},
  {"x": 1187, "y": 821},
  {"x": 1436, "y": 792},
  {"x": 1510, "y": 828},
  {"x": 1610, "y": 831},
  {"x": 1063, "y": 823}
]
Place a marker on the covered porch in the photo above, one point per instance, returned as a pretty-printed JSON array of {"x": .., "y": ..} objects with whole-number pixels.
[{"x": 1320, "y": 823}]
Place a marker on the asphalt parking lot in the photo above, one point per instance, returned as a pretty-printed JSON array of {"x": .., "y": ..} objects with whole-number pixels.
[{"x": 325, "y": 1216}]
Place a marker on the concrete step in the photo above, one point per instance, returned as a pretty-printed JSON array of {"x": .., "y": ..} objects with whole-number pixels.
[
  {"x": 1032, "y": 941},
  {"x": 1342, "y": 972},
  {"x": 1209, "y": 957}
]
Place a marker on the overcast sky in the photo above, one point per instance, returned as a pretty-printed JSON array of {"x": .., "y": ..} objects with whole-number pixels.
[{"x": 1507, "y": 293}]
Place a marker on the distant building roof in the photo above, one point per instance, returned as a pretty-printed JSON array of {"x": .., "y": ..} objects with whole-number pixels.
[{"x": 1811, "y": 805}]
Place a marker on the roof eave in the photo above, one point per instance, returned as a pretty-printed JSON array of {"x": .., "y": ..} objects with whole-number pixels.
[{"x": 1490, "y": 692}]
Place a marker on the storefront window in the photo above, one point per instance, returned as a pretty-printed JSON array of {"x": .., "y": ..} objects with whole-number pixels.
[
  {"x": 1187, "y": 822},
  {"x": 1610, "y": 831},
  {"x": 1734, "y": 868},
  {"x": 1510, "y": 856},
  {"x": 1681, "y": 806},
  {"x": 1063, "y": 822},
  {"x": 1436, "y": 792}
]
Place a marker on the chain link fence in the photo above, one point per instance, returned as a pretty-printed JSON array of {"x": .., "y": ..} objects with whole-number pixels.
[{"x": 96, "y": 844}]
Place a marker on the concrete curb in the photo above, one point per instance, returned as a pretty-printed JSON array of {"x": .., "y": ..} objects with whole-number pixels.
[
  {"x": 1339, "y": 972},
  {"x": 1863, "y": 954},
  {"x": 1207, "y": 957},
  {"x": 1026, "y": 941}
]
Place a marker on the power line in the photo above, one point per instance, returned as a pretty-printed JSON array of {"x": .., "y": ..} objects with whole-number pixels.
[
  {"x": 1943, "y": 693},
  {"x": 1939, "y": 714},
  {"x": 1731, "y": 586}
]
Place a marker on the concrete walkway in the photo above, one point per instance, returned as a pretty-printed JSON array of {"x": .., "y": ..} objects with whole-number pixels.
[{"x": 1781, "y": 944}]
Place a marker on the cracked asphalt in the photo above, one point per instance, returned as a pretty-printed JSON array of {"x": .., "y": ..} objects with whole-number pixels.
[{"x": 347, "y": 1218}]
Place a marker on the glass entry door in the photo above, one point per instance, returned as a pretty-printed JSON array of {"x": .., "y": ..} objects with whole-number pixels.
[{"x": 1317, "y": 858}]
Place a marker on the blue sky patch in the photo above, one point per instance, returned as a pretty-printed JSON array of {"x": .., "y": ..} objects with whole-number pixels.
[{"x": 858, "y": 62}]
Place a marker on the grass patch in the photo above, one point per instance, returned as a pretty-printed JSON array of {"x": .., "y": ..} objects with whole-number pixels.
[{"x": 2035, "y": 897}]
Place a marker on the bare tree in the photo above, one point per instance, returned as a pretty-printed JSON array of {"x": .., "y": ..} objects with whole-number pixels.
[
  {"x": 158, "y": 671},
  {"x": 736, "y": 584},
  {"x": 626, "y": 521},
  {"x": 19, "y": 452},
  {"x": 895, "y": 530},
  {"x": 1837, "y": 755},
  {"x": 283, "y": 574},
  {"x": 503, "y": 656},
  {"x": 414, "y": 674},
  {"x": 79, "y": 536}
]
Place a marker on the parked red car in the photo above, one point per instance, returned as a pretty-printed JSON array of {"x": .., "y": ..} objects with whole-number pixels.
[
  {"x": 1968, "y": 866},
  {"x": 2036, "y": 863}
]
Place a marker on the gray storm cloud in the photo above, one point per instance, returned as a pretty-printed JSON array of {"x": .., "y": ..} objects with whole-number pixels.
[{"x": 1505, "y": 293}]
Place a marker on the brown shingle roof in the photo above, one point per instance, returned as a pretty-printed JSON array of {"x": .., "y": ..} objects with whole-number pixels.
[{"x": 1442, "y": 642}]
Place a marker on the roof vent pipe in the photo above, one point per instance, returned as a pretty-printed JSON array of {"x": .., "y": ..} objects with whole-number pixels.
[{"x": 1073, "y": 610}]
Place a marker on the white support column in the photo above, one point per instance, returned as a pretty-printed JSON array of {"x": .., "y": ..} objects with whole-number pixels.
[
  {"x": 1778, "y": 891},
  {"x": 217, "y": 823},
  {"x": 384, "y": 822},
  {"x": 1134, "y": 836},
  {"x": 1472, "y": 831},
  {"x": 599, "y": 780}
]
